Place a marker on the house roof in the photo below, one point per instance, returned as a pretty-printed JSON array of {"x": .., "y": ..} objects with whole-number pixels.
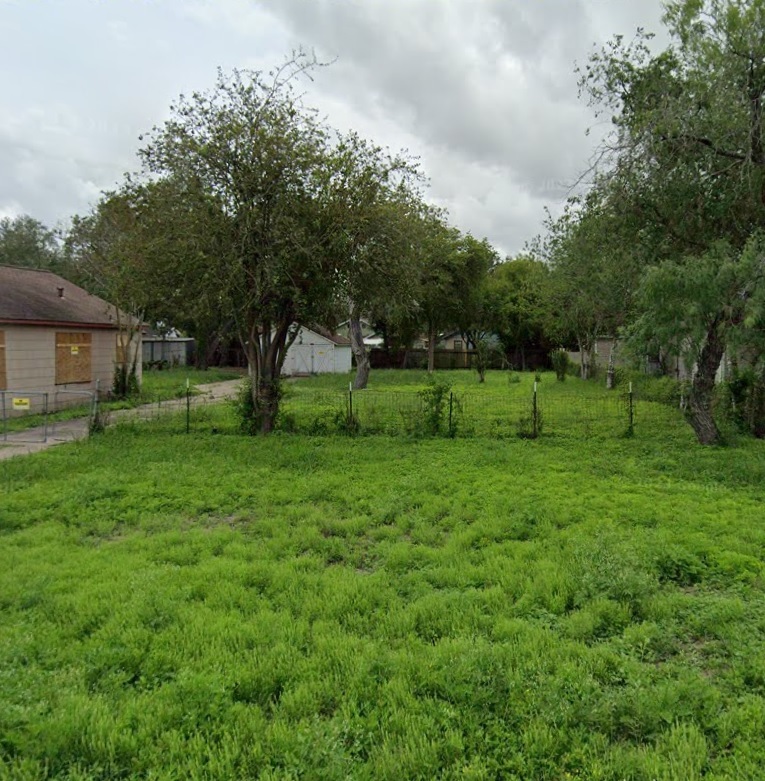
[
  {"x": 327, "y": 334},
  {"x": 33, "y": 297}
]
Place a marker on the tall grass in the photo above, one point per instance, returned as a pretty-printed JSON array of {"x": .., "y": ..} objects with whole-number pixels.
[{"x": 331, "y": 608}]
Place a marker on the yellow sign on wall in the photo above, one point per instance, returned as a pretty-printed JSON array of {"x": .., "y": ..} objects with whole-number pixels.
[
  {"x": 20, "y": 403},
  {"x": 75, "y": 349}
]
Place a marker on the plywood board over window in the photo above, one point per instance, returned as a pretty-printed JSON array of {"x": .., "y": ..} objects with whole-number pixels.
[
  {"x": 3, "y": 375},
  {"x": 73, "y": 358}
]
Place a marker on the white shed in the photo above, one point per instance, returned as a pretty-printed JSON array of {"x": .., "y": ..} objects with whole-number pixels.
[{"x": 316, "y": 351}]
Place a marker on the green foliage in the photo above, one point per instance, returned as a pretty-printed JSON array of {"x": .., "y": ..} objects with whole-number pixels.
[
  {"x": 464, "y": 608},
  {"x": 529, "y": 424},
  {"x": 249, "y": 407},
  {"x": 25, "y": 241},
  {"x": 125, "y": 383},
  {"x": 435, "y": 406},
  {"x": 244, "y": 408},
  {"x": 98, "y": 421},
  {"x": 485, "y": 352},
  {"x": 517, "y": 305},
  {"x": 560, "y": 363},
  {"x": 684, "y": 194},
  {"x": 743, "y": 401}
]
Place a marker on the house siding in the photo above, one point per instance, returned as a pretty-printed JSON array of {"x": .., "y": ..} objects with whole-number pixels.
[
  {"x": 30, "y": 355},
  {"x": 312, "y": 353},
  {"x": 3, "y": 381}
]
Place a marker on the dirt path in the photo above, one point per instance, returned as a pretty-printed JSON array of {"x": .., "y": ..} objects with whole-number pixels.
[{"x": 32, "y": 440}]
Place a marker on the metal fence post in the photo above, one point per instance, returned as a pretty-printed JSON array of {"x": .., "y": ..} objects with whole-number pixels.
[
  {"x": 188, "y": 406},
  {"x": 451, "y": 407},
  {"x": 534, "y": 414},
  {"x": 94, "y": 407}
]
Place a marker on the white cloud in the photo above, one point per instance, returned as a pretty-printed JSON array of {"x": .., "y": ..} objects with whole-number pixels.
[{"x": 484, "y": 92}]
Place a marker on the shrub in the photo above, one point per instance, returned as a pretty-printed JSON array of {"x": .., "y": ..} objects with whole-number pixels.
[
  {"x": 742, "y": 401},
  {"x": 434, "y": 404},
  {"x": 125, "y": 382},
  {"x": 244, "y": 408},
  {"x": 560, "y": 362}
]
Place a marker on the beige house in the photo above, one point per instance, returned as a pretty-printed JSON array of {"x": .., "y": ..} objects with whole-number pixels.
[{"x": 57, "y": 339}]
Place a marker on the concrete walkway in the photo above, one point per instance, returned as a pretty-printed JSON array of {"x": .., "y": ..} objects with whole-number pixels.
[{"x": 32, "y": 440}]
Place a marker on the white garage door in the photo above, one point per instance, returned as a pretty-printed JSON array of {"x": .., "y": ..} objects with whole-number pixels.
[{"x": 313, "y": 358}]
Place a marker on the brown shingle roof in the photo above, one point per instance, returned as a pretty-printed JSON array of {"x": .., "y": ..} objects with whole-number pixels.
[
  {"x": 327, "y": 334},
  {"x": 42, "y": 297}
]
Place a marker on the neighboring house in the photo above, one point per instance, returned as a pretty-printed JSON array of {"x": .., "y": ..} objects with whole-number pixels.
[
  {"x": 56, "y": 338},
  {"x": 171, "y": 349},
  {"x": 452, "y": 341},
  {"x": 371, "y": 337},
  {"x": 317, "y": 351}
]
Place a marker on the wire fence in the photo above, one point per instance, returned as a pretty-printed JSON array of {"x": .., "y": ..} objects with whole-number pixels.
[
  {"x": 421, "y": 413},
  {"x": 446, "y": 413}
]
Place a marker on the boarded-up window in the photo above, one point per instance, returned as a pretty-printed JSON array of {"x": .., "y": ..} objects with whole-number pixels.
[
  {"x": 73, "y": 358},
  {"x": 3, "y": 375}
]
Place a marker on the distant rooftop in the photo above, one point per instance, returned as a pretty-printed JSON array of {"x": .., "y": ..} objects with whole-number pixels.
[{"x": 34, "y": 297}]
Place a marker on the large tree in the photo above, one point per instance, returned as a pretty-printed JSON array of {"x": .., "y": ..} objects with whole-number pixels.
[
  {"x": 686, "y": 160},
  {"x": 148, "y": 248},
  {"x": 452, "y": 270},
  {"x": 260, "y": 159},
  {"x": 25, "y": 241},
  {"x": 105, "y": 254},
  {"x": 517, "y": 306},
  {"x": 594, "y": 269},
  {"x": 372, "y": 197}
]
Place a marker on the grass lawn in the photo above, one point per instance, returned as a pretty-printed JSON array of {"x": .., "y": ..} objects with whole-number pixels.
[
  {"x": 171, "y": 383},
  {"x": 501, "y": 407},
  {"x": 214, "y": 607}
]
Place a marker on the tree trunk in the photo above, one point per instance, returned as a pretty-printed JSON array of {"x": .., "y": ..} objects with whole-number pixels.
[
  {"x": 699, "y": 410},
  {"x": 359, "y": 351},
  {"x": 610, "y": 376},
  {"x": 584, "y": 360},
  {"x": 267, "y": 404},
  {"x": 265, "y": 354},
  {"x": 431, "y": 348}
]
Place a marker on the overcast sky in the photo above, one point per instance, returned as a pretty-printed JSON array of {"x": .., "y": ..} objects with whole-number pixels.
[{"x": 483, "y": 91}]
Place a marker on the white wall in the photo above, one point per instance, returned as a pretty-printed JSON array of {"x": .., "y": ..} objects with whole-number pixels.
[{"x": 312, "y": 353}]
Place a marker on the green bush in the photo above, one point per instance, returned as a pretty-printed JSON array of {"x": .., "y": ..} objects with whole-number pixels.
[
  {"x": 561, "y": 363},
  {"x": 435, "y": 400},
  {"x": 125, "y": 382},
  {"x": 742, "y": 400}
]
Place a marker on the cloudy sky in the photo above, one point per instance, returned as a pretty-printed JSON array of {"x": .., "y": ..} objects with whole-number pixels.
[{"x": 482, "y": 91}]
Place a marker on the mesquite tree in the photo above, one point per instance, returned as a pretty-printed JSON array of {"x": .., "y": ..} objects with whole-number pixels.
[
  {"x": 686, "y": 162},
  {"x": 260, "y": 158}
]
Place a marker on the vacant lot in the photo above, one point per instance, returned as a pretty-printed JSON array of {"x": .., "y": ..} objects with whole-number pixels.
[{"x": 215, "y": 606}]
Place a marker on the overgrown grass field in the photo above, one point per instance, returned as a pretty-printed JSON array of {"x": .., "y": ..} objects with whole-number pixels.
[
  {"x": 454, "y": 403},
  {"x": 215, "y": 606}
]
